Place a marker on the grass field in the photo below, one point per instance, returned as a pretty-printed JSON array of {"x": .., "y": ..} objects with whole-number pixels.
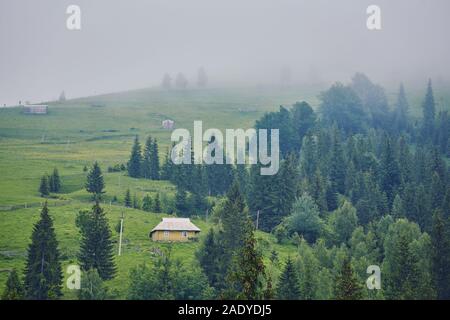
[{"x": 77, "y": 132}]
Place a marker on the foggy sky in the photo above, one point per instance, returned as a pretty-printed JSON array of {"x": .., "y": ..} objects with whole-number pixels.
[{"x": 130, "y": 44}]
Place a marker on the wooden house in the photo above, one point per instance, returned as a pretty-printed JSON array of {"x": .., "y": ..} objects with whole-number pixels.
[
  {"x": 174, "y": 229},
  {"x": 35, "y": 109},
  {"x": 168, "y": 124}
]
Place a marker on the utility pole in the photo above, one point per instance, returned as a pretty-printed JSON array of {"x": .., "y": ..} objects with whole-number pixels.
[{"x": 120, "y": 235}]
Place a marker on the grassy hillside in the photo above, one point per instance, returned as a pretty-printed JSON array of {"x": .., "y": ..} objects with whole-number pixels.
[{"x": 76, "y": 133}]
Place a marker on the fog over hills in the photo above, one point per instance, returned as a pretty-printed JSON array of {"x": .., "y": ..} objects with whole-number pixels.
[{"x": 130, "y": 44}]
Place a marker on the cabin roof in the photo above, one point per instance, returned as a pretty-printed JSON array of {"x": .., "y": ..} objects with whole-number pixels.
[{"x": 175, "y": 224}]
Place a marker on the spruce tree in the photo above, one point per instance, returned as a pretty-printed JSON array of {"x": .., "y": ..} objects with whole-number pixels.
[
  {"x": 398, "y": 210},
  {"x": 181, "y": 205},
  {"x": 269, "y": 293},
  {"x": 157, "y": 204},
  {"x": 147, "y": 161},
  {"x": 209, "y": 257},
  {"x": 245, "y": 275},
  {"x": 136, "y": 202},
  {"x": 233, "y": 220},
  {"x": 14, "y": 288},
  {"x": 154, "y": 160},
  {"x": 92, "y": 287},
  {"x": 44, "y": 188},
  {"x": 134, "y": 164},
  {"x": 95, "y": 183},
  {"x": 440, "y": 241},
  {"x": 288, "y": 285},
  {"x": 401, "y": 111},
  {"x": 55, "y": 185},
  {"x": 346, "y": 283},
  {"x": 336, "y": 171},
  {"x": 96, "y": 249},
  {"x": 43, "y": 275},
  {"x": 390, "y": 178},
  {"x": 168, "y": 167},
  {"x": 147, "y": 203},
  {"x": 428, "y": 108},
  {"x": 127, "y": 201}
]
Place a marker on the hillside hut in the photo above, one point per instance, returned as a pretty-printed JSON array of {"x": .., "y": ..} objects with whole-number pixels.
[
  {"x": 35, "y": 109},
  {"x": 168, "y": 124},
  {"x": 174, "y": 229}
]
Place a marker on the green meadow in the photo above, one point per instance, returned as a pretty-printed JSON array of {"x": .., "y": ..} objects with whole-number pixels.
[
  {"x": 77, "y": 132},
  {"x": 102, "y": 128}
]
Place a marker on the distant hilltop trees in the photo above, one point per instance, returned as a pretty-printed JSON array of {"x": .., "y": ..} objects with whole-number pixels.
[
  {"x": 181, "y": 82},
  {"x": 202, "y": 78},
  {"x": 62, "y": 96}
]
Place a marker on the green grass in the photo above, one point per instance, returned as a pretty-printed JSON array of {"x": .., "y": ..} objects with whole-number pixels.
[{"x": 77, "y": 132}]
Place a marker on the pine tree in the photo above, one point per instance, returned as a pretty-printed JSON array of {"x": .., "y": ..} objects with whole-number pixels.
[
  {"x": 147, "y": 203},
  {"x": 202, "y": 78},
  {"x": 95, "y": 183},
  {"x": 166, "y": 83},
  {"x": 269, "y": 293},
  {"x": 155, "y": 161},
  {"x": 244, "y": 277},
  {"x": 157, "y": 204},
  {"x": 55, "y": 184},
  {"x": 44, "y": 188},
  {"x": 210, "y": 257},
  {"x": 96, "y": 249},
  {"x": 336, "y": 171},
  {"x": 62, "y": 96},
  {"x": 168, "y": 167},
  {"x": 442, "y": 137},
  {"x": 303, "y": 120},
  {"x": 127, "y": 201},
  {"x": 181, "y": 205},
  {"x": 92, "y": 287},
  {"x": 274, "y": 195},
  {"x": 401, "y": 111},
  {"x": 318, "y": 190},
  {"x": 146, "y": 162},
  {"x": 390, "y": 178},
  {"x": 428, "y": 107},
  {"x": 346, "y": 283},
  {"x": 43, "y": 274},
  {"x": 14, "y": 288},
  {"x": 405, "y": 159},
  {"x": 398, "y": 210},
  {"x": 135, "y": 202},
  {"x": 134, "y": 164},
  {"x": 440, "y": 240},
  {"x": 233, "y": 221},
  {"x": 288, "y": 285}
]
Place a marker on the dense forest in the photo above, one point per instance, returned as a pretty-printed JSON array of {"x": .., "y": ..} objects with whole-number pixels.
[{"x": 361, "y": 183}]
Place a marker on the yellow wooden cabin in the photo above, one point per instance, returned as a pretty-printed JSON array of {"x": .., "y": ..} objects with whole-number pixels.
[{"x": 174, "y": 229}]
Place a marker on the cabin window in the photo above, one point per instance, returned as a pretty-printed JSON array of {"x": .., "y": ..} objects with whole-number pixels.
[
  {"x": 166, "y": 234},
  {"x": 184, "y": 234}
]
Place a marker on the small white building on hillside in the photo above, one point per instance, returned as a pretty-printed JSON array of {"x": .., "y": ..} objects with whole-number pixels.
[
  {"x": 168, "y": 124},
  {"x": 35, "y": 109}
]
